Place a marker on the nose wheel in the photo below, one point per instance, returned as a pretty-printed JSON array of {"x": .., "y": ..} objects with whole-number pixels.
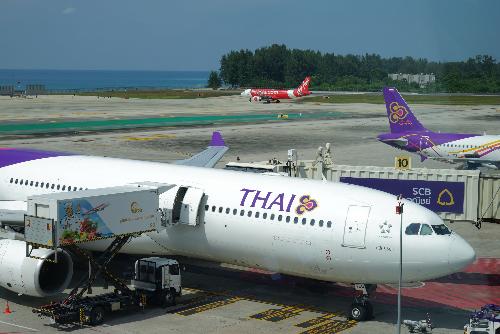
[{"x": 361, "y": 309}]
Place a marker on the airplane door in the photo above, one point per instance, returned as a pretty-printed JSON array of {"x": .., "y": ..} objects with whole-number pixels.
[{"x": 355, "y": 226}]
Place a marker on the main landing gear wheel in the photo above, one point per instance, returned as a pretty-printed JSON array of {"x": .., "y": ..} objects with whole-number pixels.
[
  {"x": 361, "y": 309},
  {"x": 277, "y": 101}
]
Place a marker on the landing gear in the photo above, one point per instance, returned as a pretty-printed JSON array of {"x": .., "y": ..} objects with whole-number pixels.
[
  {"x": 361, "y": 309},
  {"x": 277, "y": 101}
]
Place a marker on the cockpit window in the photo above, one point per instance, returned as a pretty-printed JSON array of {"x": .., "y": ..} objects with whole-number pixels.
[
  {"x": 441, "y": 229},
  {"x": 425, "y": 230},
  {"x": 412, "y": 229}
]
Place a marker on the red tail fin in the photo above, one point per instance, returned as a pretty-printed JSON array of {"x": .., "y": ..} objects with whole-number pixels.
[{"x": 304, "y": 86}]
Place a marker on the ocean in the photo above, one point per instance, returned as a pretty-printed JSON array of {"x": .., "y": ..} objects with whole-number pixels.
[{"x": 88, "y": 80}]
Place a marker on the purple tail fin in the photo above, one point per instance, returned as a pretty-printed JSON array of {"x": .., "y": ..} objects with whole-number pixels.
[{"x": 401, "y": 119}]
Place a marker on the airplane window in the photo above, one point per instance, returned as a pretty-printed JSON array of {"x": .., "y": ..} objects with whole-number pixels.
[
  {"x": 63, "y": 187},
  {"x": 412, "y": 229},
  {"x": 58, "y": 187},
  {"x": 213, "y": 208},
  {"x": 11, "y": 180},
  {"x": 272, "y": 216},
  {"x": 242, "y": 212},
  {"x": 280, "y": 217},
  {"x": 16, "y": 181},
  {"x": 329, "y": 224},
  {"x": 42, "y": 184},
  {"x": 304, "y": 221},
  {"x": 36, "y": 184},
  {"x": 206, "y": 207},
  {"x": 52, "y": 186},
  {"x": 81, "y": 188},
  {"x": 249, "y": 214},
  {"x": 21, "y": 182},
  {"x": 321, "y": 223},
  {"x": 425, "y": 230},
  {"x": 31, "y": 183},
  {"x": 47, "y": 185},
  {"x": 69, "y": 188},
  {"x": 312, "y": 222},
  {"x": 228, "y": 210},
  {"x": 287, "y": 219},
  {"x": 220, "y": 209},
  {"x": 264, "y": 215},
  {"x": 257, "y": 214},
  {"x": 295, "y": 220},
  {"x": 235, "y": 211},
  {"x": 441, "y": 229}
]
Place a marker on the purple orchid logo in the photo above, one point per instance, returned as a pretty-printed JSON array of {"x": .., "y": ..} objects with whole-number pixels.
[
  {"x": 398, "y": 112},
  {"x": 307, "y": 204}
]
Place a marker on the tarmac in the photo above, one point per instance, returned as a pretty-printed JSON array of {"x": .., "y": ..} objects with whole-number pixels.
[{"x": 225, "y": 299}]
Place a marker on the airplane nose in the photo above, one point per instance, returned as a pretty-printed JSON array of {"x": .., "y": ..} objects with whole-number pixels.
[{"x": 460, "y": 255}]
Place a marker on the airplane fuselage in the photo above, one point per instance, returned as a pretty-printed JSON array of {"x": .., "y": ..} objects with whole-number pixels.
[
  {"x": 321, "y": 230},
  {"x": 453, "y": 146}
]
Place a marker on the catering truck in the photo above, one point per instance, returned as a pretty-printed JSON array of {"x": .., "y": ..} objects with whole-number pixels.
[{"x": 63, "y": 221}]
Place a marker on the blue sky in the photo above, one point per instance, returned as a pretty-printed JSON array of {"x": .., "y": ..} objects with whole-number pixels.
[{"x": 193, "y": 34}]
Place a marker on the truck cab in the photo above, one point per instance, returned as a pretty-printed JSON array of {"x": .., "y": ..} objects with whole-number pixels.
[{"x": 158, "y": 279}]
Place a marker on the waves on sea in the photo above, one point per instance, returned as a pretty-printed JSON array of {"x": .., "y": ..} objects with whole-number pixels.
[{"x": 89, "y": 80}]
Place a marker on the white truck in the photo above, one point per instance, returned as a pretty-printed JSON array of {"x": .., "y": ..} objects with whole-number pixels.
[{"x": 485, "y": 321}]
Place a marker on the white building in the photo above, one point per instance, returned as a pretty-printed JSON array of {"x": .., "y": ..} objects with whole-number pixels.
[{"x": 421, "y": 79}]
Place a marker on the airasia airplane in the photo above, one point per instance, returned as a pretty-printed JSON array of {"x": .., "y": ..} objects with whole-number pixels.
[{"x": 269, "y": 95}]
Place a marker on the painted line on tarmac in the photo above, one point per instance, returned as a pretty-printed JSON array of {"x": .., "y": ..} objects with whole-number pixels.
[
  {"x": 275, "y": 315},
  {"x": 331, "y": 327},
  {"x": 316, "y": 321},
  {"x": 207, "y": 307},
  {"x": 10, "y": 324}
]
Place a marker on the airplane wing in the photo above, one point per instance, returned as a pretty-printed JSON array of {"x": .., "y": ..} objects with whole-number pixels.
[
  {"x": 12, "y": 212},
  {"x": 210, "y": 156}
]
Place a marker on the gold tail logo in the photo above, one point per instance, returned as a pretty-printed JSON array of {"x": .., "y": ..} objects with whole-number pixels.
[{"x": 442, "y": 202}]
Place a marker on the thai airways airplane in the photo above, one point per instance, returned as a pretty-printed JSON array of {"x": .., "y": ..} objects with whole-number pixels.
[
  {"x": 321, "y": 230},
  {"x": 269, "y": 95},
  {"x": 408, "y": 134}
]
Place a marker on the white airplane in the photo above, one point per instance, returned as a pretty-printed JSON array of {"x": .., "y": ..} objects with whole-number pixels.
[{"x": 321, "y": 230}]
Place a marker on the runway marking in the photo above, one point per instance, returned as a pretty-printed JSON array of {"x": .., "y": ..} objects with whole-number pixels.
[
  {"x": 148, "y": 138},
  {"x": 10, "y": 324},
  {"x": 331, "y": 327},
  {"x": 316, "y": 321},
  {"x": 209, "y": 306},
  {"x": 275, "y": 315}
]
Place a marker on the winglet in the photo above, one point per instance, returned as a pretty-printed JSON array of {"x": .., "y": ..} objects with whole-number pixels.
[{"x": 217, "y": 139}]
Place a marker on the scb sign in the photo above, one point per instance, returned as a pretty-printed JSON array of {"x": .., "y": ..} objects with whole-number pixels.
[{"x": 438, "y": 196}]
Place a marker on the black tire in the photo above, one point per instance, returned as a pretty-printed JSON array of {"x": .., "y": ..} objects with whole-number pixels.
[
  {"x": 277, "y": 101},
  {"x": 369, "y": 310},
  {"x": 168, "y": 299},
  {"x": 96, "y": 316},
  {"x": 358, "y": 312}
]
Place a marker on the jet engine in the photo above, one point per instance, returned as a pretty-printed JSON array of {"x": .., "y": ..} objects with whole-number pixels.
[
  {"x": 256, "y": 99},
  {"x": 33, "y": 277}
]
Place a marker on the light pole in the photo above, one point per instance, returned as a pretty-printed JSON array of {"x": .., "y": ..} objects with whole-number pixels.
[{"x": 399, "y": 211}]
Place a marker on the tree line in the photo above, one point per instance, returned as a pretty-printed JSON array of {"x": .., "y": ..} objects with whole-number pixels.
[{"x": 277, "y": 66}]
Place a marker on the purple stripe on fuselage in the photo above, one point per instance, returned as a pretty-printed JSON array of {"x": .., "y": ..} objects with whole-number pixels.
[
  {"x": 417, "y": 141},
  {"x": 11, "y": 156}
]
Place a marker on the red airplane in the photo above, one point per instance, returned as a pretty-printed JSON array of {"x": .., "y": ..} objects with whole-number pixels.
[{"x": 269, "y": 95}]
